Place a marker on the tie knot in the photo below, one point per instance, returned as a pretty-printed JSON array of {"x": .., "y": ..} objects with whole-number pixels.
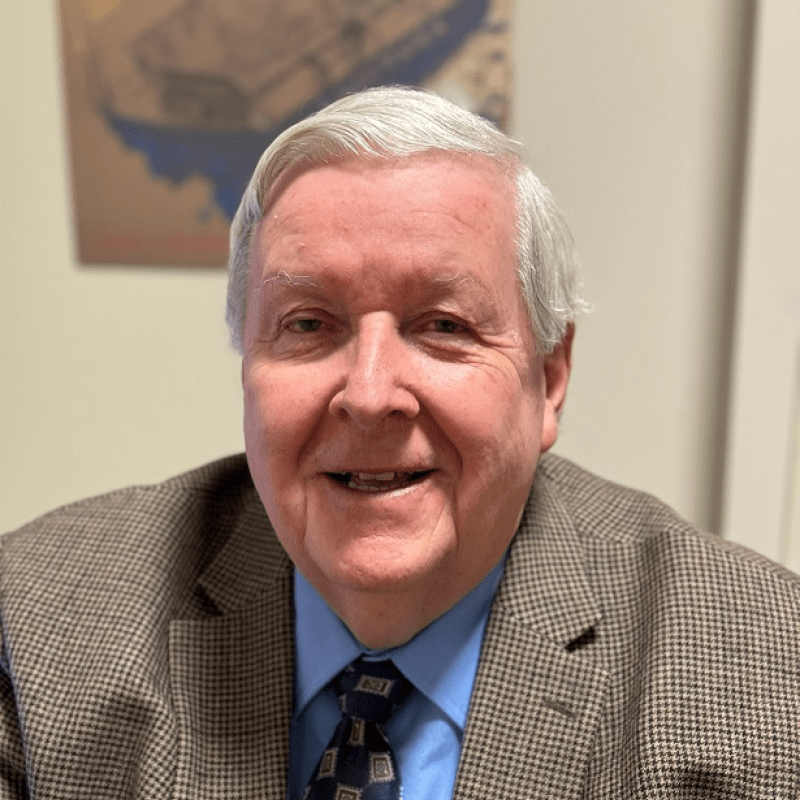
[{"x": 371, "y": 690}]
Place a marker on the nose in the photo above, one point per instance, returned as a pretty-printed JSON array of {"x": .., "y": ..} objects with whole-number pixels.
[{"x": 377, "y": 379}]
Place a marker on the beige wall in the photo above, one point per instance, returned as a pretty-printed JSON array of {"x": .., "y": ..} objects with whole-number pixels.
[
  {"x": 762, "y": 468},
  {"x": 635, "y": 113},
  {"x": 632, "y": 113}
]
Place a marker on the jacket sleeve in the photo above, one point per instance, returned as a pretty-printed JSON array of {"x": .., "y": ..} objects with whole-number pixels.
[{"x": 13, "y": 783}]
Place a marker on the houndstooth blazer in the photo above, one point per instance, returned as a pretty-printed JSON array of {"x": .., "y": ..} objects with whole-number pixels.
[{"x": 148, "y": 652}]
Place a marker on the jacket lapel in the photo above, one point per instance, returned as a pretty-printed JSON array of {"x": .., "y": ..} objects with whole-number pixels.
[
  {"x": 539, "y": 693},
  {"x": 232, "y": 675}
]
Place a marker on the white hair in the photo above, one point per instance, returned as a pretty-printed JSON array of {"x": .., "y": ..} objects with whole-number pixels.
[{"x": 399, "y": 122}]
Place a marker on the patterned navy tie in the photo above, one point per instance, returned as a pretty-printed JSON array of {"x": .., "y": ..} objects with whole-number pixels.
[{"x": 358, "y": 763}]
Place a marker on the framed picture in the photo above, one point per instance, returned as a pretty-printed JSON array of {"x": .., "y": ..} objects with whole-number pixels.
[{"x": 170, "y": 103}]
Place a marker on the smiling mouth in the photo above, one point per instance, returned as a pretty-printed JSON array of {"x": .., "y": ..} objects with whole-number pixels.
[{"x": 378, "y": 481}]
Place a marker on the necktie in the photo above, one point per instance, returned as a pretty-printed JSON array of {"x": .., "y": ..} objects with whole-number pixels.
[{"x": 358, "y": 763}]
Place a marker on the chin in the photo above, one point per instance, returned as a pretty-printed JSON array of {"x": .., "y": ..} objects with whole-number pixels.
[{"x": 382, "y": 567}]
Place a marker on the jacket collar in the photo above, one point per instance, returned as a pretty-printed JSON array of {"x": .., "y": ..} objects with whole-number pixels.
[
  {"x": 539, "y": 694},
  {"x": 250, "y": 561},
  {"x": 232, "y": 675},
  {"x": 545, "y": 587}
]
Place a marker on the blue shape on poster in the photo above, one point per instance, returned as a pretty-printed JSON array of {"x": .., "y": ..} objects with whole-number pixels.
[{"x": 228, "y": 156}]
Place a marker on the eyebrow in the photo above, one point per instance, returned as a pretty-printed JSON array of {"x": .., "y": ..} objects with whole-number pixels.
[
  {"x": 285, "y": 278},
  {"x": 457, "y": 279},
  {"x": 429, "y": 286}
]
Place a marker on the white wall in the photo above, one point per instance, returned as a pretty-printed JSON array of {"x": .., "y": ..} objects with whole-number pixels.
[
  {"x": 634, "y": 113},
  {"x": 762, "y": 489},
  {"x": 631, "y": 112},
  {"x": 108, "y": 376}
]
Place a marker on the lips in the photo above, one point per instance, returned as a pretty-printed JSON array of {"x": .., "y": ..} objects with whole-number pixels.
[{"x": 378, "y": 481}]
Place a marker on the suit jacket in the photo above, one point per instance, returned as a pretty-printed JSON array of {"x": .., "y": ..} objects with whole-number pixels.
[{"x": 148, "y": 652}]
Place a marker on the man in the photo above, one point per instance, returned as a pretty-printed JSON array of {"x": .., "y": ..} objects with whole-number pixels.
[{"x": 402, "y": 291}]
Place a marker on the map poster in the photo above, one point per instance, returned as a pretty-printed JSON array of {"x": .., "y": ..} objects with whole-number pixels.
[{"x": 171, "y": 102}]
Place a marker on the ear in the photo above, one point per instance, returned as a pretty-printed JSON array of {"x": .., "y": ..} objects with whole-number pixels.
[{"x": 557, "y": 367}]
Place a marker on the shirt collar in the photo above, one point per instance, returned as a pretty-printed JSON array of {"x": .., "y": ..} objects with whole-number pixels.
[{"x": 440, "y": 660}]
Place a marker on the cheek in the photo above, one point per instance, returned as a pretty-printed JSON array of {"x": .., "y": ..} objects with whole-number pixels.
[
  {"x": 279, "y": 405},
  {"x": 494, "y": 412},
  {"x": 273, "y": 439},
  {"x": 275, "y": 427},
  {"x": 497, "y": 432}
]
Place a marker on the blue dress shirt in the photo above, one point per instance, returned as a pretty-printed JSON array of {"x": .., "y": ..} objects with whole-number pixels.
[{"x": 441, "y": 662}]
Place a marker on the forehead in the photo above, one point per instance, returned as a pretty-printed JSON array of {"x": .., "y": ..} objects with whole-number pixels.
[
  {"x": 433, "y": 203},
  {"x": 417, "y": 166},
  {"x": 412, "y": 191}
]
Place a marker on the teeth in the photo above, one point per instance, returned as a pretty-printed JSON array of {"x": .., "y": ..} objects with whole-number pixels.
[
  {"x": 363, "y": 488},
  {"x": 375, "y": 481}
]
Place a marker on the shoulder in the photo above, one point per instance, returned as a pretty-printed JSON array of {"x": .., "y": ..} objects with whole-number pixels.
[
  {"x": 656, "y": 576},
  {"x": 162, "y": 508},
  {"x": 670, "y": 594},
  {"x": 88, "y": 597},
  {"x": 145, "y": 541},
  {"x": 610, "y": 516},
  {"x": 227, "y": 480},
  {"x": 698, "y": 636}
]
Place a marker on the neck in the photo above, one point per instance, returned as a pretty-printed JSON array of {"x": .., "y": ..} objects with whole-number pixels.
[{"x": 382, "y": 620}]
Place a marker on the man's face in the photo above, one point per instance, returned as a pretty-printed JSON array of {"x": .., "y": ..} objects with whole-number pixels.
[{"x": 395, "y": 405}]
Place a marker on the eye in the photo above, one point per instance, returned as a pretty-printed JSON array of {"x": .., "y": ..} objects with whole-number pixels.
[
  {"x": 305, "y": 325},
  {"x": 445, "y": 325}
]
